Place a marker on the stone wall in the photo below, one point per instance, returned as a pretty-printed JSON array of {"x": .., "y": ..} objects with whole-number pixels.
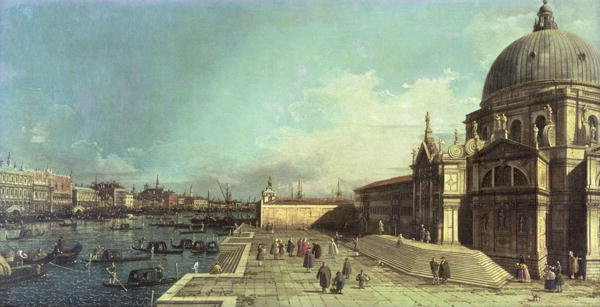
[{"x": 300, "y": 216}]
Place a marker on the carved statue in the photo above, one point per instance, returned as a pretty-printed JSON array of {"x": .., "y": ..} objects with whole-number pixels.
[
  {"x": 269, "y": 182},
  {"x": 455, "y": 136},
  {"x": 593, "y": 133},
  {"x": 502, "y": 121},
  {"x": 583, "y": 116},
  {"x": 484, "y": 222},
  {"x": 535, "y": 135},
  {"x": 474, "y": 129},
  {"x": 522, "y": 223},
  {"x": 548, "y": 112},
  {"x": 414, "y": 155},
  {"x": 497, "y": 122},
  {"x": 427, "y": 119},
  {"x": 501, "y": 220}
]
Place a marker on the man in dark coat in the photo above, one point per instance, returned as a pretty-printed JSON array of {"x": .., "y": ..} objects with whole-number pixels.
[
  {"x": 324, "y": 277},
  {"x": 435, "y": 270},
  {"x": 308, "y": 261},
  {"x": 347, "y": 269},
  {"x": 316, "y": 250},
  {"x": 290, "y": 247},
  {"x": 444, "y": 270}
]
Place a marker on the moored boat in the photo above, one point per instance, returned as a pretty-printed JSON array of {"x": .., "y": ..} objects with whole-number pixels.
[
  {"x": 198, "y": 247},
  {"x": 183, "y": 244},
  {"x": 158, "y": 247},
  {"x": 212, "y": 247},
  {"x": 57, "y": 256},
  {"x": 143, "y": 278},
  {"x": 114, "y": 255},
  {"x": 68, "y": 223},
  {"x": 24, "y": 234},
  {"x": 124, "y": 227}
]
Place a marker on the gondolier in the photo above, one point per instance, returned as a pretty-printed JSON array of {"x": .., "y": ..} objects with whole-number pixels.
[{"x": 112, "y": 273}]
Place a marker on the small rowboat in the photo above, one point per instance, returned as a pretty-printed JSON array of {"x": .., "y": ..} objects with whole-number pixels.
[
  {"x": 158, "y": 247},
  {"x": 113, "y": 255},
  {"x": 143, "y": 278}
]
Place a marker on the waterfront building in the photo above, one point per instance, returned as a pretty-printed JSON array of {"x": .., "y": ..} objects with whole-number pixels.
[
  {"x": 525, "y": 182},
  {"x": 41, "y": 192},
  {"x": 85, "y": 199},
  {"x": 305, "y": 213},
  {"x": 119, "y": 197},
  {"x": 128, "y": 200},
  {"x": 61, "y": 192},
  {"x": 16, "y": 190},
  {"x": 389, "y": 200}
]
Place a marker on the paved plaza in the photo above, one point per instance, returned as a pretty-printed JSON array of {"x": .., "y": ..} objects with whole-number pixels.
[{"x": 286, "y": 283}]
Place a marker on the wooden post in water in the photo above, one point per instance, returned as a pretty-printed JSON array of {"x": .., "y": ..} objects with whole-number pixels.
[
  {"x": 177, "y": 270},
  {"x": 152, "y": 298}
]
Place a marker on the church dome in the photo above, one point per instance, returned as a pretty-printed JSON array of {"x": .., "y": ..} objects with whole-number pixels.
[{"x": 546, "y": 54}]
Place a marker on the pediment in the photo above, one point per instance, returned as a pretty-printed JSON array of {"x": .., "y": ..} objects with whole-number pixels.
[
  {"x": 504, "y": 149},
  {"x": 425, "y": 154}
]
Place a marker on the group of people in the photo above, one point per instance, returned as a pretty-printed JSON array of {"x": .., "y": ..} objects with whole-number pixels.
[
  {"x": 439, "y": 270},
  {"x": 338, "y": 282},
  {"x": 522, "y": 271},
  {"x": 576, "y": 266},
  {"x": 553, "y": 281},
  {"x": 424, "y": 234}
]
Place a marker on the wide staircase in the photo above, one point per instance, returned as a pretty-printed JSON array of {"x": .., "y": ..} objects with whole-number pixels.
[
  {"x": 230, "y": 257},
  {"x": 467, "y": 266}
]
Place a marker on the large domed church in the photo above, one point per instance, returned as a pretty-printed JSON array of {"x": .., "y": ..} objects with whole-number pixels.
[{"x": 526, "y": 182}]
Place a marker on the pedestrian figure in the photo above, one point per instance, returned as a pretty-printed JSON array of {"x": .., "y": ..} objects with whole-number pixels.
[
  {"x": 338, "y": 283},
  {"x": 336, "y": 238},
  {"x": 324, "y": 277},
  {"x": 21, "y": 256},
  {"x": 558, "y": 281},
  {"x": 523, "y": 273},
  {"x": 422, "y": 233},
  {"x": 444, "y": 272},
  {"x": 333, "y": 249},
  {"x": 380, "y": 227},
  {"x": 275, "y": 249},
  {"x": 308, "y": 261},
  {"x": 290, "y": 247},
  {"x": 362, "y": 278},
  {"x": 300, "y": 252},
  {"x": 355, "y": 242},
  {"x": 549, "y": 278},
  {"x": 96, "y": 252},
  {"x": 581, "y": 265},
  {"x": 427, "y": 236},
  {"x": 347, "y": 269},
  {"x": 435, "y": 270},
  {"x": 260, "y": 254},
  {"x": 281, "y": 249},
  {"x": 195, "y": 267},
  {"x": 573, "y": 265},
  {"x": 316, "y": 250}
]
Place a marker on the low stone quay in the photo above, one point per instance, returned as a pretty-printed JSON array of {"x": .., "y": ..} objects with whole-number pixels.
[{"x": 286, "y": 283}]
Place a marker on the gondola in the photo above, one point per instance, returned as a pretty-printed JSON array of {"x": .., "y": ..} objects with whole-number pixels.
[
  {"x": 198, "y": 247},
  {"x": 143, "y": 278},
  {"x": 212, "y": 247},
  {"x": 66, "y": 256},
  {"x": 191, "y": 231},
  {"x": 170, "y": 224},
  {"x": 113, "y": 255},
  {"x": 20, "y": 273},
  {"x": 24, "y": 234},
  {"x": 160, "y": 247},
  {"x": 183, "y": 244},
  {"x": 124, "y": 227},
  {"x": 68, "y": 223}
]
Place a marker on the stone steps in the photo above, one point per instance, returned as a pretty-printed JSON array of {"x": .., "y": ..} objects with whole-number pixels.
[
  {"x": 229, "y": 257},
  {"x": 466, "y": 266}
]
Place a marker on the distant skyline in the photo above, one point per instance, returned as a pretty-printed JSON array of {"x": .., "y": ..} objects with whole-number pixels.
[{"x": 235, "y": 91}]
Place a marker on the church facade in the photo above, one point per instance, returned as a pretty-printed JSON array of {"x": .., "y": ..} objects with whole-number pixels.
[{"x": 526, "y": 181}]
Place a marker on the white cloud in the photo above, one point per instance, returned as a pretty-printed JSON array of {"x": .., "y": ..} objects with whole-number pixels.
[{"x": 369, "y": 136}]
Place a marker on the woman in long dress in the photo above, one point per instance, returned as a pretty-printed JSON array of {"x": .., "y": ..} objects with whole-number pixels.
[
  {"x": 333, "y": 249},
  {"x": 308, "y": 261}
]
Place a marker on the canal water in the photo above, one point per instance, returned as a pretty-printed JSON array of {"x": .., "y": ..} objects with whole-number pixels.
[{"x": 77, "y": 285}]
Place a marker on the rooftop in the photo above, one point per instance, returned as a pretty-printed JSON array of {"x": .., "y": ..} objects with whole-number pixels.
[
  {"x": 385, "y": 182},
  {"x": 310, "y": 201}
]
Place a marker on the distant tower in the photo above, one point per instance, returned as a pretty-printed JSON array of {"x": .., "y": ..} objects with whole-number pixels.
[
  {"x": 268, "y": 194},
  {"x": 157, "y": 183},
  {"x": 191, "y": 191}
]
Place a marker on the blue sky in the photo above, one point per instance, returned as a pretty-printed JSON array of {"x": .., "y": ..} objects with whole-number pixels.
[{"x": 197, "y": 91}]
